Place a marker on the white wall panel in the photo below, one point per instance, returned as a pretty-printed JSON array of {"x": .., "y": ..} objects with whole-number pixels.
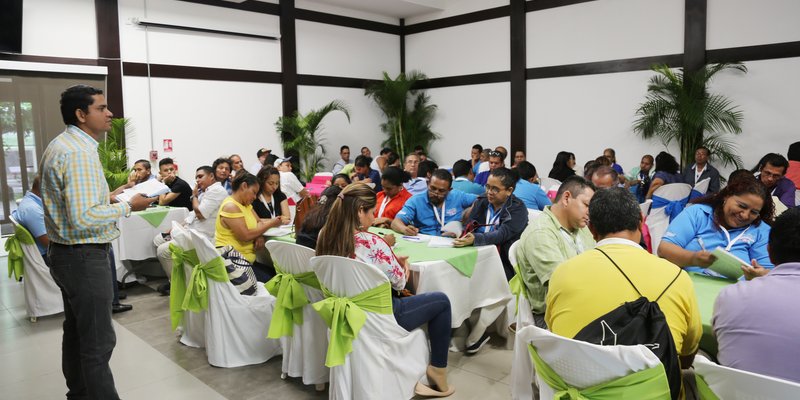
[
  {"x": 604, "y": 30},
  {"x": 735, "y": 23},
  {"x": 584, "y": 115},
  {"x": 468, "y": 115},
  {"x": 457, "y": 7},
  {"x": 204, "y": 119},
  {"x": 181, "y": 47},
  {"x": 461, "y": 50},
  {"x": 767, "y": 95},
  {"x": 338, "y": 51},
  {"x": 363, "y": 128},
  {"x": 59, "y": 28}
]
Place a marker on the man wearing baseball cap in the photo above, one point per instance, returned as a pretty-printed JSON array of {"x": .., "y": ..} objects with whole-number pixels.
[
  {"x": 262, "y": 155},
  {"x": 290, "y": 185}
]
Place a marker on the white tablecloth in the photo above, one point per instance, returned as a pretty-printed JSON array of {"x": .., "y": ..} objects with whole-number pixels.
[
  {"x": 487, "y": 288},
  {"x": 135, "y": 241}
]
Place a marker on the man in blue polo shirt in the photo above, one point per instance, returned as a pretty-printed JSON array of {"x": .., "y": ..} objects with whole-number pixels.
[
  {"x": 528, "y": 190},
  {"x": 30, "y": 214},
  {"x": 429, "y": 211}
]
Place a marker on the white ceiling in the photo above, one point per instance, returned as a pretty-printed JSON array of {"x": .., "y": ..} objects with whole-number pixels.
[{"x": 389, "y": 8}]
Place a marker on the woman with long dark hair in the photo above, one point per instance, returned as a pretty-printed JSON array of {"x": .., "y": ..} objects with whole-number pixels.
[
  {"x": 667, "y": 171},
  {"x": 563, "y": 166},
  {"x": 736, "y": 219},
  {"x": 345, "y": 234}
]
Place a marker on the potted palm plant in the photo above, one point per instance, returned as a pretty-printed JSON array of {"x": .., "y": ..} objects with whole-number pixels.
[
  {"x": 408, "y": 111},
  {"x": 301, "y": 134},
  {"x": 113, "y": 154},
  {"x": 679, "y": 108}
]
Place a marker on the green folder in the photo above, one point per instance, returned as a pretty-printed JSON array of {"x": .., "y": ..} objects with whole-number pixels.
[{"x": 727, "y": 264}]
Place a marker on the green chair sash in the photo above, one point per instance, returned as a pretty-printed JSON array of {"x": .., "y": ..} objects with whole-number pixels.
[
  {"x": 517, "y": 287},
  {"x": 346, "y": 315},
  {"x": 177, "y": 290},
  {"x": 290, "y": 298},
  {"x": 642, "y": 385},
  {"x": 703, "y": 390},
  {"x": 13, "y": 247},
  {"x": 197, "y": 290}
]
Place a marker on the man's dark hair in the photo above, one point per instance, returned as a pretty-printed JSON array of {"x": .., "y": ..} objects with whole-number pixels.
[
  {"x": 243, "y": 177},
  {"x": 222, "y": 160},
  {"x": 605, "y": 170},
  {"x": 614, "y": 210},
  {"x": 793, "y": 154},
  {"x": 667, "y": 163},
  {"x": 341, "y": 149},
  {"x": 708, "y": 151},
  {"x": 143, "y": 162},
  {"x": 497, "y": 154},
  {"x": 165, "y": 161},
  {"x": 774, "y": 159},
  {"x": 207, "y": 169},
  {"x": 502, "y": 150},
  {"x": 362, "y": 161},
  {"x": 526, "y": 170},
  {"x": 461, "y": 168},
  {"x": 395, "y": 175},
  {"x": 444, "y": 175},
  {"x": 76, "y": 97},
  {"x": 427, "y": 167},
  {"x": 784, "y": 238},
  {"x": 478, "y": 147},
  {"x": 508, "y": 177},
  {"x": 365, "y": 147},
  {"x": 418, "y": 148},
  {"x": 575, "y": 185},
  {"x": 385, "y": 150},
  {"x": 392, "y": 158}
]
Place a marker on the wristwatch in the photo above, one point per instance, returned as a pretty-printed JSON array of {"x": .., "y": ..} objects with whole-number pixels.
[{"x": 130, "y": 208}]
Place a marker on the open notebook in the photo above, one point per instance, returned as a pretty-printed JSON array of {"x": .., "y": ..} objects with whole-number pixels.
[
  {"x": 727, "y": 264},
  {"x": 150, "y": 188}
]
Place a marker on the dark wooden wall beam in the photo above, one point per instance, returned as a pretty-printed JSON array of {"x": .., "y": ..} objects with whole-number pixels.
[
  {"x": 518, "y": 82},
  {"x": 288, "y": 56},
  {"x": 107, "y": 16}
]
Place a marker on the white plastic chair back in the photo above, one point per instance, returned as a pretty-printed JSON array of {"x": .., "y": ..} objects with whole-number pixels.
[
  {"x": 730, "y": 383},
  {"x": 42, "y": 295},
  {"x": 797, "y": 197},
  {"x": 658, "y": 220},
  {"x": 193, "y": 328},
  {"x": 533, "y": 214},
  {"x": 548, "y": 183},
  {"x": 645, "y": 207},
  {"x": 702, "y": 186},
  {"x": 518, "y": 309},
  {"x": 236, "y": 326},
  {"x": 303, "y": 352},
  {"x": 386, "y": 358},
  {"x": 579, "y": 364}
]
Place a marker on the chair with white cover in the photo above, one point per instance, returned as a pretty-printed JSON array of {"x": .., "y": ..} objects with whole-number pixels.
[
  {"x": 42, "y": 295},
  {"x": 700, "y": 189},
  {"x": 533, "y": 214},
  {"x": 236, "y": 325},
  {"x": 550, "y": 187},
  {"x": 584, "y": 367},
  {"x": 731, "y": 383},
  {"x": 519, "y": 308},
  {"x": 668, "y": 201},
  {"x": 385, "y": 358},
  {"x": 797, "y": 198},
  {"x": 304, "y": 350},
  {"x": 193, "y": 331},
  {"x": 645, "y": 207}
]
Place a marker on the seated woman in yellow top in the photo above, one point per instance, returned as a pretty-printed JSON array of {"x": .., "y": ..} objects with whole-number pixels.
[{"x": 239, "y": 226}]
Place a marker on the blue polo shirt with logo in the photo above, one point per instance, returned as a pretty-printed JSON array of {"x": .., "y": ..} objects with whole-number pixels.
[{"x": 418, "y": 211}]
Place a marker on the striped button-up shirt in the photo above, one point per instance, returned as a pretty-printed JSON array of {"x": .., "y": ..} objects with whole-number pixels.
[{"x": 75, "y": 192}]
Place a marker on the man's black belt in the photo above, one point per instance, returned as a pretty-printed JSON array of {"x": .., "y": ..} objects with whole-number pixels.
[{"x": 99, "y": 246}]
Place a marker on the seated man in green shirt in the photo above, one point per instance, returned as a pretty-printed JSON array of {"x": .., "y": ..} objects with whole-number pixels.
[{"x": 559, "y": 234}]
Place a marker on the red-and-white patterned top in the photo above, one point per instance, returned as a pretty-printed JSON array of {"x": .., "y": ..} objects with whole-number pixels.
[{"x": 372, "y": 249}]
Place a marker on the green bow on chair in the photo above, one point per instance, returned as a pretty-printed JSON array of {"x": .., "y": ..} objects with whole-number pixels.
[
  {"x": 346, "y": 315},
  {"x": 14, "y": 248},
  {"x": 647, "y": 384},
  {"x": 194, "y": 296},
  {"x": 290, "y": 300},
  {"x": 518, "y": 288}
]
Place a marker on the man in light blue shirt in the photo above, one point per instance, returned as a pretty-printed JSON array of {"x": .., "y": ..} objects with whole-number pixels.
[
  {"x": 462, "y": 171},
  {"x": 416, "y": 184},
  {"x": 30, "y": 214},
  {"x": 528, "y": 190},
  {"x": 429, "y": 211}
]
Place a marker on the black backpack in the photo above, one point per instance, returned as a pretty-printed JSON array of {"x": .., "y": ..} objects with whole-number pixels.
[{"x": 638, "y": 322}]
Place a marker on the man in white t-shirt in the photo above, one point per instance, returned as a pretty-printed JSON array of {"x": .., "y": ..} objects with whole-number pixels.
[{"x": 290, "y": 185}]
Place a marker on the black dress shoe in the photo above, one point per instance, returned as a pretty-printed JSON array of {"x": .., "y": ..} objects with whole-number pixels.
[
  {"x": 118, "y": 308},
  {"x": 163, "y": 289},
  {"x": 122, "y": 295}
]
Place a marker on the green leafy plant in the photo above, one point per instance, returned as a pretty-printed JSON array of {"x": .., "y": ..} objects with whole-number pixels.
[
  {"x": 301, "y": 134},
  {"x": 113, "y": 154},
  {"x": 680, "y": 109},
  {"x": 408, "y": 111}
]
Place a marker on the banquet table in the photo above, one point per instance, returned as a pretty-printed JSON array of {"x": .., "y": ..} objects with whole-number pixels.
[
  {"x": 135, "y": 240},
  {"x": 476, "y": 281},
  {"x": 707, "y": 289}
]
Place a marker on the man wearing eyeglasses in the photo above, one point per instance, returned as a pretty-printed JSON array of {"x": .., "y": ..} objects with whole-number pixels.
[
  {"x": 772, "y": 175},
  {"x": 496, "y": 160},
  {"x": 416, "y": 184},
  {"x": 430, "y": 211}
]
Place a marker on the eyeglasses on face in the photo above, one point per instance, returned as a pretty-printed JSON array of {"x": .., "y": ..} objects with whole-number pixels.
[{"x": 494, "y": 189}]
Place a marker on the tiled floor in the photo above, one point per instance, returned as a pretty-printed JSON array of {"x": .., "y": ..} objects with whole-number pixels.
[{"x": 149, "y": 363}]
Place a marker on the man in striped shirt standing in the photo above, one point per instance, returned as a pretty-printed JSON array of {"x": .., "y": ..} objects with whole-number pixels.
[{"x": 81, "y": 223}]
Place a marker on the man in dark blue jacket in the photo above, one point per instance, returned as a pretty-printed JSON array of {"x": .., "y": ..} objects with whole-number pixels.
[{"x": 498, "y": 218}]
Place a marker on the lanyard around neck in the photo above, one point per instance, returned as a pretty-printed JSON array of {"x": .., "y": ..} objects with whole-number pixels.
[
  {"x": 492, "y": 217},
  {"x": 270, "y": 206},
  {"x": 577, "y": 245},
  {"x": 439, "y": 218},
  {"x": 728, "y": 236},
  {"x": 386, "y": 200}
]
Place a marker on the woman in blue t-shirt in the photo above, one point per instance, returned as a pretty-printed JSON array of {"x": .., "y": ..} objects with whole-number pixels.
[{"x": 735, "y": 219}]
